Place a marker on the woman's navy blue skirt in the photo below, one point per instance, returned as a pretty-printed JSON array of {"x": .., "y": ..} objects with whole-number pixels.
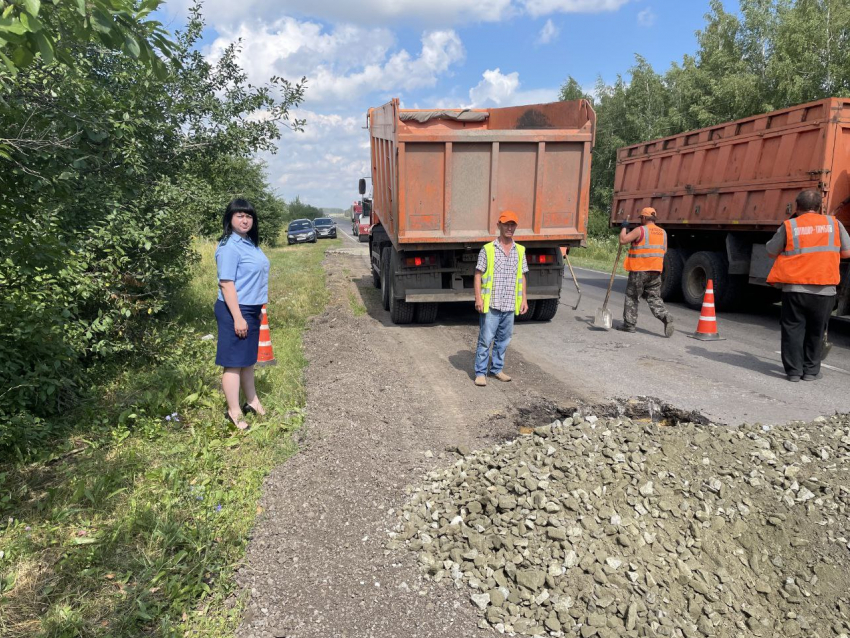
[{"x": 232, "y": 351}]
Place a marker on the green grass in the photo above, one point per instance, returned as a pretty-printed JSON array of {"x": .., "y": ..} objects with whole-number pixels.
[
  {"x": 357, "y": 307},
  {"x": 133, "y": 525},
  {"x": 599, "y": 254}
]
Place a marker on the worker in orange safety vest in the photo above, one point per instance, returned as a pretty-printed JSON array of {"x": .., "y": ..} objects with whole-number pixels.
[
  {"x": 645, "y": 262},
  {"x": 807, "y": 248}
]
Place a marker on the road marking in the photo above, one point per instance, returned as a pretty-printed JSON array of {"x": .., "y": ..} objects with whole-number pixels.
[
  {"x": 822, "y": 365},
  {"x": 347, "y": 235}
]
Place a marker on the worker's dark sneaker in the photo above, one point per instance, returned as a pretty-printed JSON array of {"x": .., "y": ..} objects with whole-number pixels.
[
  {"x": 793, "y": 377},
  {"x": 813, "y": 377},
  {"x": 624, "y": 327},
  {"x": 668, "y": 327}
]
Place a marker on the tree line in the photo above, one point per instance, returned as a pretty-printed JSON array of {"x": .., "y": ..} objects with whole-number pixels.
[
  {"x": 119, "y": 145},
  {"x": 768, "y": 55}
]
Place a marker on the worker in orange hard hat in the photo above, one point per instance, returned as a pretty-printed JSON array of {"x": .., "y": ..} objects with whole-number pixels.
[
  {"x": 808, "y": 249},
  {"x": 645, "y": 261},
  {"x": 500, "y": 294}
]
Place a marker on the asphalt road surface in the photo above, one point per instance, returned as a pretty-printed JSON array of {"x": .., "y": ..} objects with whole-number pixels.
[{"x": 737, "y": 380}]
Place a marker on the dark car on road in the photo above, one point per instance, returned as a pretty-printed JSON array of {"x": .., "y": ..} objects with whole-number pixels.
[
  {"x": 325, "y": 227},
  {"x": 301, "y": 231}
]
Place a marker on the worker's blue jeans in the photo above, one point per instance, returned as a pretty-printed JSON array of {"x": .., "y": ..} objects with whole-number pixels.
[{"x": 496, "y": 328}]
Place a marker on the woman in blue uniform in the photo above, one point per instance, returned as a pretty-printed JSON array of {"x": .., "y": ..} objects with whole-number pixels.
[{"x": 243, "y": 281}]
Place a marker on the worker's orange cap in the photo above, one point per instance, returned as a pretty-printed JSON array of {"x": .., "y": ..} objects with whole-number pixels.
[
  {"x": 508, "y": 216},
  {"x": 649, "y": 211}
]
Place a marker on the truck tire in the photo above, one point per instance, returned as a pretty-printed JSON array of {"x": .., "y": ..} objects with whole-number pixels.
[
  {"x": 385, "y": 278},
  {"x": 426, "y": 312},
  {"x": 528, "y": 316},
  {"x": 401, "y": 312},
  {"x": 546, "y": 309},
  {"x": 671, "y": 276},
  {"x": 701, "y": 267}
]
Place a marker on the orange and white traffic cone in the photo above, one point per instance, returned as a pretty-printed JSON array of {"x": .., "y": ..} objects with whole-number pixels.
[
  {"x": 265, "y": 354},
  {"x": 707, "y": 326}
]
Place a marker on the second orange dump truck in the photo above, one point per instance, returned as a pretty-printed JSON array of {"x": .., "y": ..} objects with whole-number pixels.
[
  {"x": 441, "y": 178},
  {"x": 721, "y": 192}
]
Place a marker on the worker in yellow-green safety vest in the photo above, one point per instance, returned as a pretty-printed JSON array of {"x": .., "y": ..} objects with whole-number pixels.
[{"x": 500, "y": 294}]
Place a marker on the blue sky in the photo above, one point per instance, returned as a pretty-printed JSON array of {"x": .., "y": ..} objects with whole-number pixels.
[{"x": 429, "y": 53}]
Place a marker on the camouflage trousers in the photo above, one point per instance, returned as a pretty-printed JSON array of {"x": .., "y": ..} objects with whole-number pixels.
[{"x": 646, "y": 285}]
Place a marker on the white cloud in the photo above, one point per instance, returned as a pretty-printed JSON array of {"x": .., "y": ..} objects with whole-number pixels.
[
  {"x": 426, "y": 14},
  {"x": 340, "y": 65},
  {"x": 500, "y": 89},
  {"x": 548, "y": 33},
  {"x": 495, "y": 88},
  {"x": 322, "y": 164},
  {"x": 431, "y": 14},
  {"x": 545, "y": 7},
  {"x": 646, "y": 18}
]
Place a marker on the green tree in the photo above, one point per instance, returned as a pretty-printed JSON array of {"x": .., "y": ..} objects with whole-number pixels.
[
  {"x": 571, "y": 90},
  {"x": 300, "y": 210},
  {"x": 811, "y": 55},
  {"x": 31, "y": 29}
]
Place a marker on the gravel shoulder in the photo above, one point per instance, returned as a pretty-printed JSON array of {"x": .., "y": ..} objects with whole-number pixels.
[{"x": 385, "y": 405}]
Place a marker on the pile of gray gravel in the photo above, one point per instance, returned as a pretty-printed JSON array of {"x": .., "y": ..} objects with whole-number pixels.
[{"x": 612, "y": 527}]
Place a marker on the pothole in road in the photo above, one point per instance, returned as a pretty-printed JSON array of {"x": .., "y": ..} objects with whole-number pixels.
[
  {"x": 543, "y": 411},
  {"x": 648, "y": 409}
]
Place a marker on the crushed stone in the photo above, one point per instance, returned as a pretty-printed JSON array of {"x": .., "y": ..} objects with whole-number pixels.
[{"x": 611, "y": 526}]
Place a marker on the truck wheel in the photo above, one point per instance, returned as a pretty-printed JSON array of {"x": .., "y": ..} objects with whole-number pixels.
[
  {"x": 546, "y": 309},
  {"x": 385, "y": 278},
  {"x": 701, "y": 267},
  {"x": 528, "y": 316},
  {"x": 671, "y": 276},
  {"x": 426, "y": 312},
  {"x": 401, "y": 312}
]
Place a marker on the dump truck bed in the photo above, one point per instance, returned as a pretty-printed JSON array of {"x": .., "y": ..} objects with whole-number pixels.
[
  {"x": 741, "y": 175},
  {"x": 443, "y": 177}
]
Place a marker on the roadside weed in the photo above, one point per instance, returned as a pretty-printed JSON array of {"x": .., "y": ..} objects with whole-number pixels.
[{"x": 357, "y": 307}]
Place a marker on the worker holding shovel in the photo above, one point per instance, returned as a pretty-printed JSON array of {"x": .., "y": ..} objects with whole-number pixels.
[{"x": 645, "y": 261}]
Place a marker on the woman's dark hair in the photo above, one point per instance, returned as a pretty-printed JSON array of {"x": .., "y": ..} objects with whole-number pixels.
[{"x": 239, "y": 205}]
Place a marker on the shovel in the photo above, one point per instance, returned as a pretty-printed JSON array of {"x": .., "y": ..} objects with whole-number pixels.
[
  {"x": 827, "y": 345},
  {"x": 603, "y": 315},
  {"x": 575, "y": 281}
]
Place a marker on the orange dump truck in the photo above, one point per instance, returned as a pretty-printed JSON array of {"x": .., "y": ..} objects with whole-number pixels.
[
  {"x": 441, "y": 178},
  {"x": 721, "y": 192}
]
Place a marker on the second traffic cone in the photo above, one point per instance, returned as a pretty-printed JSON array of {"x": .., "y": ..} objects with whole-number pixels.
[
  {"x": 707, "y": 326},
  {"x": 265, "y": 354}
]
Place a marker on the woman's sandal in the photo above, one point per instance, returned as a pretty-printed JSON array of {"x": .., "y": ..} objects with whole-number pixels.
[
  {"x": 236, "y": 423},
  {"x": 247, "y": 408}
]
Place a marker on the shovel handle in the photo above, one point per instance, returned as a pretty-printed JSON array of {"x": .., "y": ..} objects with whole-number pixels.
[
  {"x": 611, "y": 281},
  {"x": 575, "y": 281}
]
